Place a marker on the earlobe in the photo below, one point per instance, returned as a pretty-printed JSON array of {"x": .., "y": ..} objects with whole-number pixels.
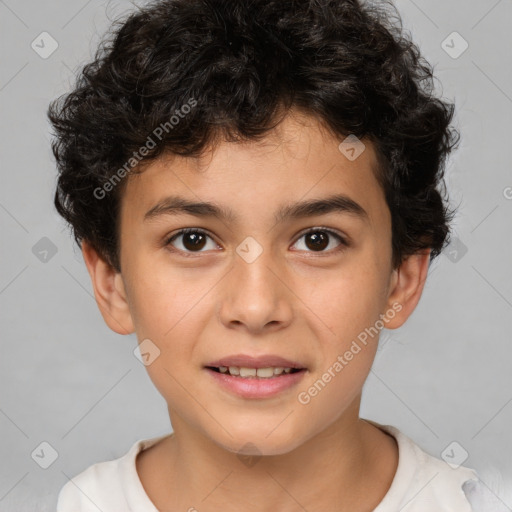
[
  {"x": 406, "y": 287},
  {"x": 109, "y": 291}
]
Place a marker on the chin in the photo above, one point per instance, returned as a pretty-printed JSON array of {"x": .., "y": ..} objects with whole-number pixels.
[{"x": 253, "y": 442}]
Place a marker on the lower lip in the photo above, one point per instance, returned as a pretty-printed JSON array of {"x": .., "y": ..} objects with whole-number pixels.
[{"x": 253, "y": 387}]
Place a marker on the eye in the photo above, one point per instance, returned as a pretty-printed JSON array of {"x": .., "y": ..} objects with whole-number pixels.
[
  {"x": 317, "y": 239},
  {"x": 192, "y": 240}
]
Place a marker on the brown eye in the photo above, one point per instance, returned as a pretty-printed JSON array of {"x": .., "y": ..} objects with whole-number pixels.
[
  {"x": 192, "y": 240},
  {"x": 317, "y": 240}
]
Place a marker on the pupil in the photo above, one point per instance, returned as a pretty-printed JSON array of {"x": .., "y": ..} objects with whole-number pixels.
[
  {"x": 193, "y": 241},
  {"x": 319, "y": 240}
]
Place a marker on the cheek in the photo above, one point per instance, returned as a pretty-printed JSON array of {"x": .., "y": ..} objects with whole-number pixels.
[
  {"x": 170, "y": 307},
  {"x": 347, "y": 301},
  {"x": 164, "y": 301},
  {"x": 168, "y": 312},
  {"x": 334, "y": 390}
]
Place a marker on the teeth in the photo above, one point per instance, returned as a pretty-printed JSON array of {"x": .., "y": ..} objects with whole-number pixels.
[
  {"x": 247, "y": 372},
  {"x": 263, "y": 373}
]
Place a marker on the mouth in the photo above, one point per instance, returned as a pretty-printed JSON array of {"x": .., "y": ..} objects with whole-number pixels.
[
  {"x": 256, "y": 377},
  {"x": 245, "y": 372}
]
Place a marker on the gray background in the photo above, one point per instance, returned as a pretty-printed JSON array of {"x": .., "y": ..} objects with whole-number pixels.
[{"x": 67, "y": 380}]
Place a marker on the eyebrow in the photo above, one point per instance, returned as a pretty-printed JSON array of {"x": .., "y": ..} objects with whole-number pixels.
[{"x": 338, "y": 203}]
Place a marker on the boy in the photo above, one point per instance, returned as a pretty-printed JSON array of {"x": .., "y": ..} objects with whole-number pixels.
[{"x": 254, "y": 186}]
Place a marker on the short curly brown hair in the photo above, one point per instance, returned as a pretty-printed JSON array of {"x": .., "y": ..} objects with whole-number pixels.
[{"x": 243, "y": 62}]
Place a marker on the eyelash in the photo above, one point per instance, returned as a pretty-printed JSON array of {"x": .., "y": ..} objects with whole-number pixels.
[{"x": 343, "y": 242}]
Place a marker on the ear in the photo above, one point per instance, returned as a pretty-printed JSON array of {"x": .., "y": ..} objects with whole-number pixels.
[
  {"x": 406, "y": 286},
  {"x": 109, "y": 291}
]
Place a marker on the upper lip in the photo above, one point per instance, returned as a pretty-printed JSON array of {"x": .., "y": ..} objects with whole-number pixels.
[{"x": 246, "y": 361}]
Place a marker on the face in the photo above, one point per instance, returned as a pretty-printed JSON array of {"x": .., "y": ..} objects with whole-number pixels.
[{"x": 255, "y": 289}]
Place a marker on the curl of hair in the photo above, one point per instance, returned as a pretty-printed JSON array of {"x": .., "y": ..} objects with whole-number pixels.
[{"x": 246, "y": 63}]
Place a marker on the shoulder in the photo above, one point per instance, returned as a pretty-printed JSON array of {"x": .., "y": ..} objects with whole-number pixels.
[
  {"x": 105, "y": 486},
  {"x": 87, "y": 491},
  {"x": 422, "y": 482}
]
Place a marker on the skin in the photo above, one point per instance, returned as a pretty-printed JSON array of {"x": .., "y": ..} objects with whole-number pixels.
[{"x": 291, "y": 301}]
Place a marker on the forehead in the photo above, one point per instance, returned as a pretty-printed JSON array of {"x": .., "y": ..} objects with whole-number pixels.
[{"x": 298, "y": 160}]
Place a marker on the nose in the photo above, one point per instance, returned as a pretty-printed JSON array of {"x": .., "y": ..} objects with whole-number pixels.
[{"x": 256, "y": 296}]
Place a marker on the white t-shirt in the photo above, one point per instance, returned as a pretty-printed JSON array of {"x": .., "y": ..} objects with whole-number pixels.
[{"x": 422, "y": 483}]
